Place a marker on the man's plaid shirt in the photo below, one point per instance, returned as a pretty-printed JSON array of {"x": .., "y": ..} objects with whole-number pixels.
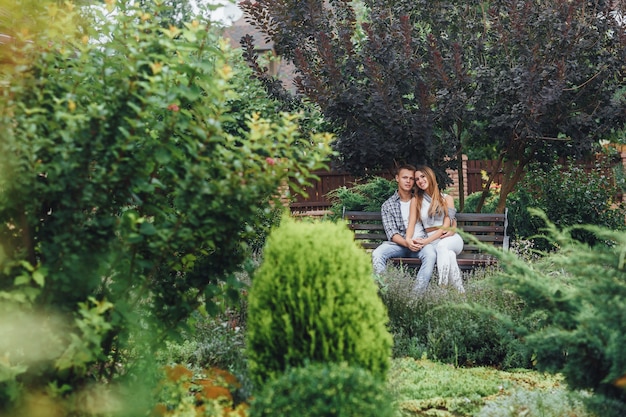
[{"x": 392, "y": 218}]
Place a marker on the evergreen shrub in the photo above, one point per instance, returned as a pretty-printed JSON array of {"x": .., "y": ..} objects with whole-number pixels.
[
  {"x": 313, "y": 299},
  {"x": 450, "y": 328},
  {"x": 581, "y": 291},
  {"x": 331, "y": 389}
]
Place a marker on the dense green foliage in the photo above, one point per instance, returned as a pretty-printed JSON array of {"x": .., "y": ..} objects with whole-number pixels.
[
  {"x": 443, "y": 325},
  {"x": 332, "y": 389},
  {"x": 124, "y": 202},
  {"x": 366, "y": 196},
  {"x": 569, "y": 195},
  {"x": 488, "y": 205},
  {"x": 550, "y": 403},
  {"x": 416, "y": 385},
  {"x": 580, "y": 292},
  {"x": 423, "y": 387},
  {"x": 314, "y": 300}
]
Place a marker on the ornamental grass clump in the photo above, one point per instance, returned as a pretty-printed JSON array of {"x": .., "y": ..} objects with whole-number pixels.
[{"x": 313, "y": 299}]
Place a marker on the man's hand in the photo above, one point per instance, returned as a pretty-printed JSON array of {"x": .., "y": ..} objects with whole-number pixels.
[{"x": 415, "y": 244}]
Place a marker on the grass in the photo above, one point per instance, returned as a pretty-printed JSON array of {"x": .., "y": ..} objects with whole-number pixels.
[{"x": 422, "y": 387}]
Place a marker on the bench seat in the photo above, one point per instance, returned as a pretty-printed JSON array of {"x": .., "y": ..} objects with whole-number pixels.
[{"x": 487, "y": 228}]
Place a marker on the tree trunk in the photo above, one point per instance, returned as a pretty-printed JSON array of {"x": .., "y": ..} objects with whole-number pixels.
[
  {"x": 460, "y": 177},
  {"x": 513, "y": 173},
  {"x": 492, "y": 175},
  {"x": 512, "y": 170}
]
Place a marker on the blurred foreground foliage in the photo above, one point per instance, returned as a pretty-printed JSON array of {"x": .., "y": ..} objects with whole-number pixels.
[{"x": 125, "y": 202}]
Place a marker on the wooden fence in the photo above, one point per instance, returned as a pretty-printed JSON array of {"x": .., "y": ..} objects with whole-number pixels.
[{"x": 318, "y": 200}]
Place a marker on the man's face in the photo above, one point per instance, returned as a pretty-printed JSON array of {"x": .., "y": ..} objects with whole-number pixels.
[{"x": 405, "y": 179}]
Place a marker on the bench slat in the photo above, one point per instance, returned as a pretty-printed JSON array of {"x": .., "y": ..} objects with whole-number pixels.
[
  {"x": 464, "y": 263},
  {"x": 481, "y": 217},
  {"x": 365, "y": 226},
  {"x": 469, "y": 228},
  {"x": 381, "y": 237},
  {"x": 370, "y": 245},
  {"x": 489, "y": 238},
  {"x": 362, "y": 215}
]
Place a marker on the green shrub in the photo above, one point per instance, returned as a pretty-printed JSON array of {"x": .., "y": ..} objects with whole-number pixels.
[
  {"x": 368, "y": 196},
  {"x": 314, "y": 299},
  {"x": 119, "y": 186},
  {"x": 212, "y": 343},
  {"x": 268, "y": 218},
  {"x": 569, "y": 196},
  {"x": 422, "y": 387},
  {"x": 447, "y": 327},
  {"x": 491, "y": 202},
  {"x": 317, "y": 390},
  {"x": 580, "y": 290}
]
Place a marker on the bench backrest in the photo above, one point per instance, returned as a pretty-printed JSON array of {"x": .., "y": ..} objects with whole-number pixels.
[{"x": 489, "y": 228}]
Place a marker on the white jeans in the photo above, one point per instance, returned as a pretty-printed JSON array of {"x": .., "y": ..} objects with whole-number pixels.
[{"x": 447, "y": 267}]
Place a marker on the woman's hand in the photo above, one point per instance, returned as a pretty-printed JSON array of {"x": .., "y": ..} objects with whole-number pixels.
[{"x": 447, "y": 233}]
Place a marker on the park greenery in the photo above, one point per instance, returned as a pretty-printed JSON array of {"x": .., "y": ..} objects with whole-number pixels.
[
  {"x": 148, "y": 266},
  {"x": 129, "y": 190},
  {"x": 425, "y": 81},
  {"x": 569, "y": 193}
]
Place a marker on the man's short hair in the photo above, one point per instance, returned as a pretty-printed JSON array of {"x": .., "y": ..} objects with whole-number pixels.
[{"x": 405, "y": 166}]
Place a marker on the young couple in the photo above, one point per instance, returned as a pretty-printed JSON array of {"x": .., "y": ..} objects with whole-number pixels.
[{"x": 416, "y": 224}]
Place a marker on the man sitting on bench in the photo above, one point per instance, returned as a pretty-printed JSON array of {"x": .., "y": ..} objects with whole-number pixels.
[{"x": 395, "y": 217}]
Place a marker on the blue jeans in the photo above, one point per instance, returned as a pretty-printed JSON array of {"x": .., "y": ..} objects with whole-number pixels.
[{"x": 388, "y": 250}]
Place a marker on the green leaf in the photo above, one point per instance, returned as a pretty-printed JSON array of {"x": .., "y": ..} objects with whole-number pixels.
[
  {"x": 21, "y": 280},
  {"x": 147, "y": 229},
  {"x": 39, "y": 278},
  {"x": 162, "y": 156}
]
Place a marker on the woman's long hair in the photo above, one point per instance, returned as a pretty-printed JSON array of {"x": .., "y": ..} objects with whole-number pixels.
[{"x": 438, "y": 204}]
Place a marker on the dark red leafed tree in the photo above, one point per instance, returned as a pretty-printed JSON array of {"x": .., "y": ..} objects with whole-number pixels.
[
  {"x": 550, "y": 81},
  {"x": 391, "y": 88}
]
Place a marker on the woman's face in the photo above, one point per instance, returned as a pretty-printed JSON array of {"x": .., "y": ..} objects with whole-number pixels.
[{"x": 421, "y": 180}]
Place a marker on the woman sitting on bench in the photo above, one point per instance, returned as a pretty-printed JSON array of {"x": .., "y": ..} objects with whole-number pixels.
[{"x": 437, "y": 213}]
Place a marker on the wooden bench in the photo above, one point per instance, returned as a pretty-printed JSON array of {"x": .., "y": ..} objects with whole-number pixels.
[{"x": 488, "y": 228}]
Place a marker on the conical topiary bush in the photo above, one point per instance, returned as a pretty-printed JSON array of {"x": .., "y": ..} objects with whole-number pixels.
[{"x": 313, "y": 299}]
